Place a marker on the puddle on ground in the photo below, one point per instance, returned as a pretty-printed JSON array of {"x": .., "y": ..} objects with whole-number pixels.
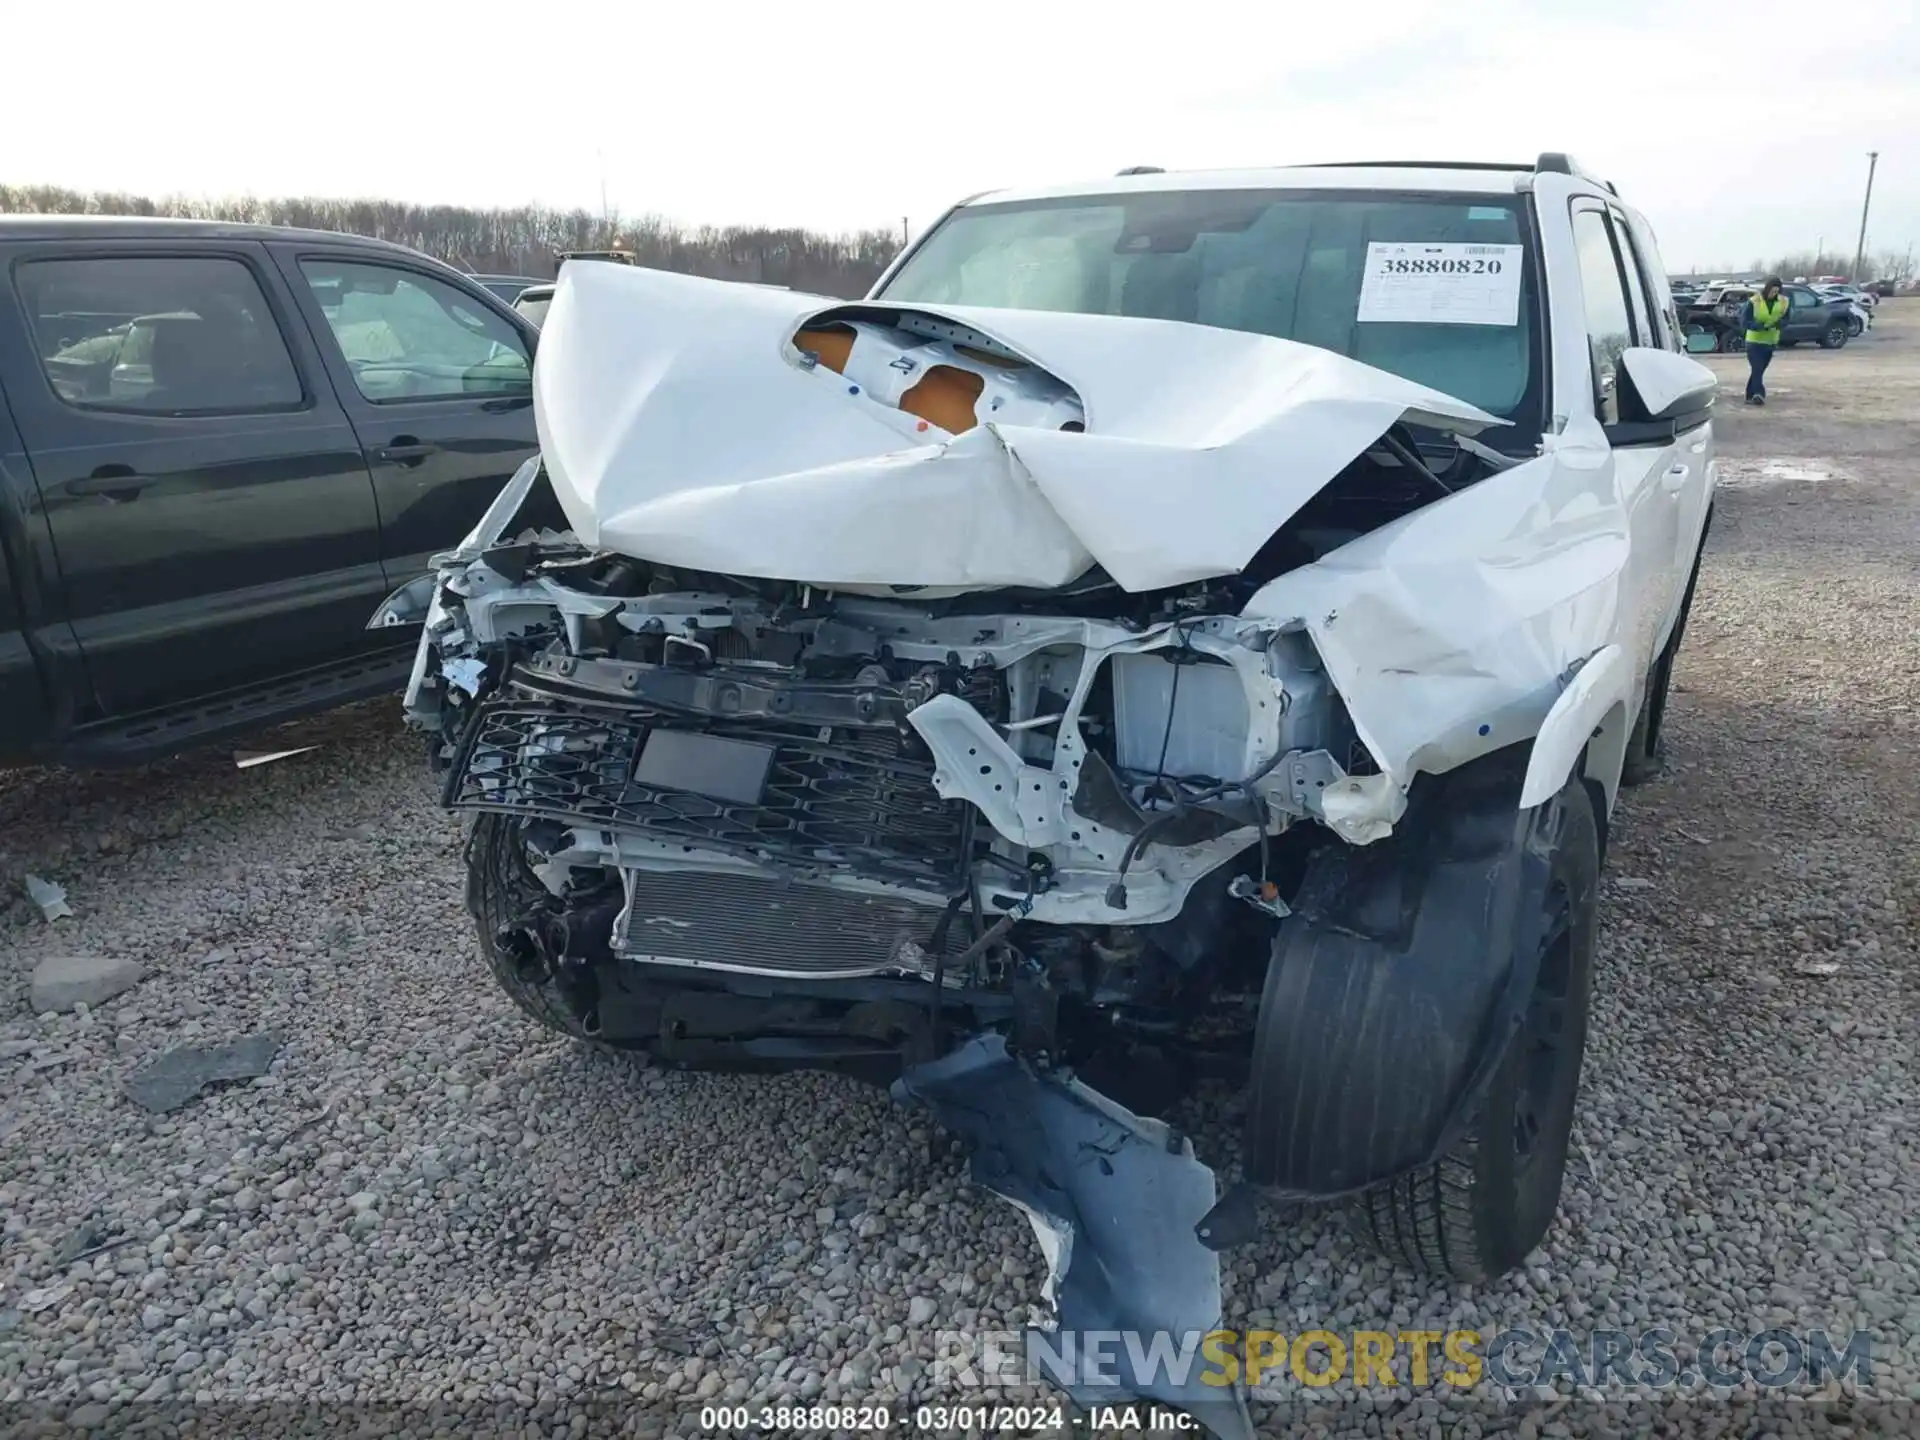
[{"x": 1756, "y": 474}]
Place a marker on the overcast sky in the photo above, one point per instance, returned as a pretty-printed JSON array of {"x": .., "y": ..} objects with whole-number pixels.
[{"x": 1741, "y": 129}]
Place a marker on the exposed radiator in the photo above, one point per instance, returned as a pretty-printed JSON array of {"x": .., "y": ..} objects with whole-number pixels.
[{"x": 751, "y": 923}]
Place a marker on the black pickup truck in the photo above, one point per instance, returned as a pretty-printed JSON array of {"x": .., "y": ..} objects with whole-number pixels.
[{"x": 221, "y": 446}]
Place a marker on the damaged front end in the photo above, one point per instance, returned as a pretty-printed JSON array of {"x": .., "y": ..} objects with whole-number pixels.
[
  {"x": 1067, "y": 811},
  {"x": 922, "y": 762},
  {"x": 754, "y": 824}
]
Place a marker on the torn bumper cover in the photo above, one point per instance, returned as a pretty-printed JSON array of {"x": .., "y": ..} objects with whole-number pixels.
[
  {"x": 1112, "y": 1200},
  {"x": 913, "y": 676}
]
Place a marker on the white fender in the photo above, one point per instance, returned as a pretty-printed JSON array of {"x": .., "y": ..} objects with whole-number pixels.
[{"x": 1595, "y": 709}]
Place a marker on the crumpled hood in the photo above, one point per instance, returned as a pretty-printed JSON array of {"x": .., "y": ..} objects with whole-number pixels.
[{"x": 680, "y": 424}]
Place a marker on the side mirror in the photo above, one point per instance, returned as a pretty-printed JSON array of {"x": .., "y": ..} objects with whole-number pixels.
[
  {"x": 1702, "y": 342},
  {"x": 1671, "y": 387}
]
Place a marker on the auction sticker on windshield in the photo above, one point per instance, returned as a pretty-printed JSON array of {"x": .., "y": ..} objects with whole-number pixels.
[{"x": 1457, "y": 284}]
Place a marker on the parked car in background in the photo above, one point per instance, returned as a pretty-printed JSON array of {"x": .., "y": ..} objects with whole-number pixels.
[
  {"x": 1850, "y": 291},
  {"x": 220, "y": 446},
  {"x": 507, "y": 287},
  {"x": 1858, "y": 306},
  {"x": 1811, "y": 317},
  {"x": 533, "y": 302}
]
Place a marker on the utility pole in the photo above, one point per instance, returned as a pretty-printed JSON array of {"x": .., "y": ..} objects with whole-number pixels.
[{"x": 1860, "y": 250}]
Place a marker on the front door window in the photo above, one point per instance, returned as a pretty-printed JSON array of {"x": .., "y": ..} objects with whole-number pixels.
[{"x": 408, "y": 336}]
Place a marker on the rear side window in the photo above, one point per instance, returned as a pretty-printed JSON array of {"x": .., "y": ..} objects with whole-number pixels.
[
  {"x": 407, "y": 336},
  {"x": 161, "y": 335},
  {"x": 1643, "y": 328},
  {"x": 1609, "y": 330},
  {"x": 1643, "y": 252}
]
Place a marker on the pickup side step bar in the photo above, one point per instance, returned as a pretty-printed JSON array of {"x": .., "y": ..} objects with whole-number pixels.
[{"x": 140, "y": 738}]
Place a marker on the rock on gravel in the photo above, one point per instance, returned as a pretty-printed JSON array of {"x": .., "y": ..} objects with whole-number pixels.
[
  {"x": 174, "y": 1078},
  {"x": 62, "y": 982},
  {"x": 426, "y": 1198}
]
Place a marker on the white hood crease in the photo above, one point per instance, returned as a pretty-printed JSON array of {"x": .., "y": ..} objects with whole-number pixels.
[{"x": 679, "y": 425}]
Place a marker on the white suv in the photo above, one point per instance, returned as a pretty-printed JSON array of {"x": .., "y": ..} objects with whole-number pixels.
[{"x": 1180, "y": 624}]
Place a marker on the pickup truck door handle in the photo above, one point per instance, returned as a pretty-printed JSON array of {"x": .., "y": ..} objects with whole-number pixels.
[
  {"x": 117, "y": 482},
  {"x": 1676, "y": 475},
  {"x": 405, "y": 450}
]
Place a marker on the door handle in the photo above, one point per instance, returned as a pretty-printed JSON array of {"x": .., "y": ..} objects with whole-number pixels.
[
  {"x": 405, "y": 450},
  {"x": 1676, "y": 476},
  {"x": 117, "y": 482}
]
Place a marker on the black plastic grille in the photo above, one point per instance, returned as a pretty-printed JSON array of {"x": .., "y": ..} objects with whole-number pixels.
[{"x": 851, "y": 800}]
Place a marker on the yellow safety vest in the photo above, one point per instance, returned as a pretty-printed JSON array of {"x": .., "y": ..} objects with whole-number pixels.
[{"x": 1766, "y": 320}]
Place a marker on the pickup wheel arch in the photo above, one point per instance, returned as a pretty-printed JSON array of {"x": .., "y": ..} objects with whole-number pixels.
[{"x": 1586, "y": 729}]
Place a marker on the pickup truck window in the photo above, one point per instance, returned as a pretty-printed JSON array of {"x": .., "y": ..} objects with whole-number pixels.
[
  {"x": 1609, "y": 330},
  {"x": 1278, "y": 262},
  {"x": 1640, "y": 312},
  {"x": 158, "y": 335},
  {"x": 407, "y": 336}
]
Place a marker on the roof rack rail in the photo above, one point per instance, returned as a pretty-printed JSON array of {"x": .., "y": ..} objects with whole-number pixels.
[
  {"x": 1551, "y": 162},
  {"x": 1414, "y": 165},
  {"x": 1557, "y": 162},
  {"x": 1143, "y": 170}
]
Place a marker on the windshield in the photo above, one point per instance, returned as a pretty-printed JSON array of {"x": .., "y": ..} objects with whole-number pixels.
[{"x": 1302, "y": 265}]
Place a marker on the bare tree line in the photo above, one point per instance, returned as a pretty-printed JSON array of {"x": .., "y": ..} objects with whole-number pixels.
[
  {"x": 1897, "y": 266},
  {"x": 522, "y": 240},
  {"x": 1894, "y": 265}
]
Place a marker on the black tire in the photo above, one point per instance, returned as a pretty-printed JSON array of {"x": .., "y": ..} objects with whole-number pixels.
[
  {"x": 1731, "y": 343},
  {"x": 1646, "y": 748},
  {"x": 500, "y": 889},
  {"x": 1835, "y": 337},
  {"x": 1482, "y": 1207}
]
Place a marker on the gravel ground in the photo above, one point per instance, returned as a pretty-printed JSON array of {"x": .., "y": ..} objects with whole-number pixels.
[{"x": 426, "y": 1197}]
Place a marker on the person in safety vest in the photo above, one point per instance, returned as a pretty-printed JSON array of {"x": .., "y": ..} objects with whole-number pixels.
[{"x": 1762, "y": 316}]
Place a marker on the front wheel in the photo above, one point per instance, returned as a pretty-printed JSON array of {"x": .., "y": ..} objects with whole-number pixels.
[
  {"x": 501, "y": 891},
  {"x": 1479, "y": 1210},
  {"x": 1835, "y": 337},
  {"x": 1856, "y": 326},
  {"x": 1732, "y": 343}
]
